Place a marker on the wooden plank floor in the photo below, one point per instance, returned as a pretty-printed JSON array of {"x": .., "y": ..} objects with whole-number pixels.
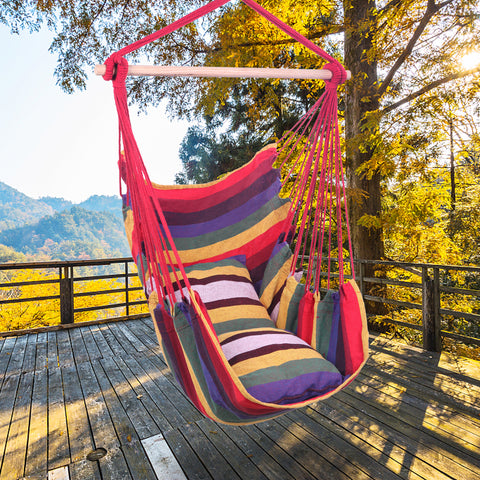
[{"x": 410, "y": 414}]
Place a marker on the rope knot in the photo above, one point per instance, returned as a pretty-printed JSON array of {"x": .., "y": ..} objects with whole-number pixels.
[
  {"x": 116, "y": 68},
  {"x": 339, "y": 74}
]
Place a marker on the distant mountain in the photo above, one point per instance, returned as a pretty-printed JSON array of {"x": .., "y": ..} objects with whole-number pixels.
[
  {"x": 74, "y": 233},
  {"x": 96, "y": 203},
  {"x": 103, "y": 203},
  {"x": 58, "y": 204},
  {"x": 18, "y": 209}
]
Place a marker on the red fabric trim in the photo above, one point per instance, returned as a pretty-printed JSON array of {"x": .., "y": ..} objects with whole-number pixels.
[{"x": 306, "y": 318}]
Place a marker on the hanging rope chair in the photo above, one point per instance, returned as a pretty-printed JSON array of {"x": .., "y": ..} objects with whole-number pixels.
[{"x": 245, "y": 333}]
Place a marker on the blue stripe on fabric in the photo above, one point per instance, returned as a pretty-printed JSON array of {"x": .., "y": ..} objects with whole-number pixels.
[{"x": 334, "y": 333}]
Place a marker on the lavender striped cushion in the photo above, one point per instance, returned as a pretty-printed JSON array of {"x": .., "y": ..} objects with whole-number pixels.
[
  {"x": 226, "y": 290},
  {"x": 275, "y": 366}
]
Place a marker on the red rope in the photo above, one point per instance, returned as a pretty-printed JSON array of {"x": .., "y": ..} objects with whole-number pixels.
[{"x": 315, "y": 159}]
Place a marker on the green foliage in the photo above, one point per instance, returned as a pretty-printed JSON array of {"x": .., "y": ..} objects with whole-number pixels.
[
  {"x": 205, "y": 158},
  {"x": 103, "y": 203},
  {"x": 58, "y": 204},
  {"x": 76, "y": 233},
  {"x": 18, "y": 209}
]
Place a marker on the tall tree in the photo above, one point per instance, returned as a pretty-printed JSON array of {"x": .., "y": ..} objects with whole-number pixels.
[{"x": 398, "y": 51}]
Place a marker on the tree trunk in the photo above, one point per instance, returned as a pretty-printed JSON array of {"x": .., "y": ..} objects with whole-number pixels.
[{"x": 360, "y": 99}]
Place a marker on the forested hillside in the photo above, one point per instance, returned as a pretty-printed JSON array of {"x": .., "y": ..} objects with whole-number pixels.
[
  {"x": 75, "y": 233},
  {"x": 56, "y": 229},
  {"x": 18, "y": 209}
]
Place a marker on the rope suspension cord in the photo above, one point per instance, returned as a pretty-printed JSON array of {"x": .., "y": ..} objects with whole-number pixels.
[
  {"x": 107, "y": 71},
  {"x": 140, "y": 189}
]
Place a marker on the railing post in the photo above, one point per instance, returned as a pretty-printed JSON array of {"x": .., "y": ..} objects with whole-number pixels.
[
  {"x": 361, "y": 275},
  {"x": 127, "y": 299},
  {"x": 66, "y": 295},
  {"x": 430, "y": 311}
]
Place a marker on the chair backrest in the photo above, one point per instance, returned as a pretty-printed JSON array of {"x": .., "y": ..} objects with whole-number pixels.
[{"x": 239, "y": 214}]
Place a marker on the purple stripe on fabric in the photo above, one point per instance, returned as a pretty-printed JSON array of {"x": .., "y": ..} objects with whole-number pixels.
[
  {"x": 232, "y": 302},
  {"x": 310, "y": 385},
  {"x": 267, "y": 349},
  {"x": 268, "y": 184},
  {"x": 249, "y": 333},
  {"x": 223, "y": 221}
]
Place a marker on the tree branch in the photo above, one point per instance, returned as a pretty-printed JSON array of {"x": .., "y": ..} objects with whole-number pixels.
[
  {"x": 432, "y": 9},
  {"x": 427, "y": 88},
  {"x": 284, "y": 41}
]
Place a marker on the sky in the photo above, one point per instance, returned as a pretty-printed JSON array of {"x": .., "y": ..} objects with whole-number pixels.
[{"x": 65, "y": 145}]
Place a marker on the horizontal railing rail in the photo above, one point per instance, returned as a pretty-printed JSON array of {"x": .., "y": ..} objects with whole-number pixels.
[
  {"x": 109, "y": 288},
  {"x": 76, "y": 290}
]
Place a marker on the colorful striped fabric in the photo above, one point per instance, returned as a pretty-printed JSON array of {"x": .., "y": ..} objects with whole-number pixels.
[
  {"x": 240, "y": 214},
  {"x": 230, "y": 339},
  {"x": 276, "y": 366},
  {"x": 227, "y": 292}
]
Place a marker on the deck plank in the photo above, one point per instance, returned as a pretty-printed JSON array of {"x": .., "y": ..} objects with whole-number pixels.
[
  {"x": 16, "y": 446},
  {"x": 409, "y": 415},
  {"x": 58, "y": 447},
  {"x": 232, "y": 454},
  {"x": 217, "y": 467},
  {"x": 8, "y": 344},
  {"x": 37, "y": 450},
  {"x": 79, "y": 432},
  {"x": 407, "y": 430}
]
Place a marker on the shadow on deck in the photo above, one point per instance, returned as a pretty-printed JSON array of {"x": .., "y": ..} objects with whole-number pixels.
[{"x": 410, "y": 414}]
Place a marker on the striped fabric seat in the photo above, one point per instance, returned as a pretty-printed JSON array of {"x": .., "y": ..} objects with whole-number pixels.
[{"x": 231, "y": 336}]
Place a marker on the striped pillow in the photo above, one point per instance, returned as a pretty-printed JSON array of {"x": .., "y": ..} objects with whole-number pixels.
[
  {"x": 277, "y": 367},
  {"x": 226, "y": 290}
]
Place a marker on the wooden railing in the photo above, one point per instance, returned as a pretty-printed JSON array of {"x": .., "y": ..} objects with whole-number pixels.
[
  {"x": 64, "y": 278},
  {"x": 429, "y": 295},
  {"x": 434, "y": 289}
]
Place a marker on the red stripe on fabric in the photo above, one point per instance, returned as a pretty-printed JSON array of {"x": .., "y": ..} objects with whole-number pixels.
[
  {"x": 174, "y": 199},
  {"x": 352, "y": 328},
  {"x": 306, "y": 311}
]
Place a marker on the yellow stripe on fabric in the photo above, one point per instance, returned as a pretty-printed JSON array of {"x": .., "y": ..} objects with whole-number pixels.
[
  {"x": 196, "y": 186},
  {"x": 274, "y": 359},
  {"x": 287, "y": 295},
  {"x": 275, "y": 284},
  {"x": 363, "y": 314},
  {"x": 313, "y": 339},
  {"x": 237, "y": 241},
  {"x": 224, "y": 314}
]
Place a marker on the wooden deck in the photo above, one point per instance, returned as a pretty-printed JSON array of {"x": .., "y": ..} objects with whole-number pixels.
[{"x": 410, "y": 414}]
